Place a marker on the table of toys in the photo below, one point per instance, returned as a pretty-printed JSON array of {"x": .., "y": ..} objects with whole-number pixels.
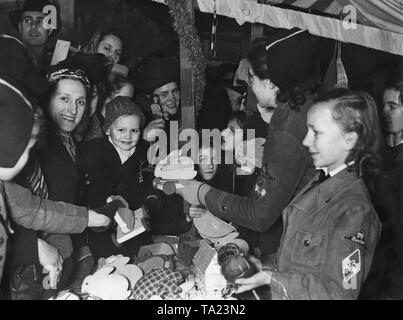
[
  {"x": 200, "y": 265},
  {"x": 188, "y": 270}
]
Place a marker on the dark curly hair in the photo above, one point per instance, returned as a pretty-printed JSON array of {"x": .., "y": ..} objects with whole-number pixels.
[
  {"x": 356, "y": 111},
  {"x": 294, "y": 89}
]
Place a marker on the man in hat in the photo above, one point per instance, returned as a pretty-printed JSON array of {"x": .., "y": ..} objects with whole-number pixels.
[
  {"x": 157, "y": 83},
  {"x": 31, "y": 23}
]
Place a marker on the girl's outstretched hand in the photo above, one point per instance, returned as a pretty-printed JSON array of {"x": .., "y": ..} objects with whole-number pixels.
[
  {"x": 196, "y": 212},
  {"x": 189, "y": 191},
  {"x": 257, "y": 280}
]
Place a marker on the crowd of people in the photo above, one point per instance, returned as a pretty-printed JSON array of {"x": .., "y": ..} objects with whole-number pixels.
[{"x": 321, "y": 213}]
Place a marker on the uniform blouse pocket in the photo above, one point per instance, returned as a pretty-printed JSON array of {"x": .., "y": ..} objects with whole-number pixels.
[{"x": 307, "y": 249}]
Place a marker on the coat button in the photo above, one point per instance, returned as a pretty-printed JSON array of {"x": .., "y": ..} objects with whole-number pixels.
[
  {"x": 307, "y": 243},
  {"x": 1, "y": 240},
  {"x": 224, "y": 208}
]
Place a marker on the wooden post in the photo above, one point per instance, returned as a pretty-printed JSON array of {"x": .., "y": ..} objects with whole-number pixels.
[
  {"x": 188, "y": 107},
  {"x": 188, "y": 112}
]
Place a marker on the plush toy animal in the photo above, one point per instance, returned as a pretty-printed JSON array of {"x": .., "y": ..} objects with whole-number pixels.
[
  {"x": 106, "y": 285},
  {"x": 122, "y": 266}
]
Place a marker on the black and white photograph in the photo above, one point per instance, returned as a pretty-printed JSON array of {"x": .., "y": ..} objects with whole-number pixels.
[{"x": 203, "y": 154}]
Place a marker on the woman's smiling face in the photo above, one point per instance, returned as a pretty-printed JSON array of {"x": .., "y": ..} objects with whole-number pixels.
[{"x": 67, "y": 104}]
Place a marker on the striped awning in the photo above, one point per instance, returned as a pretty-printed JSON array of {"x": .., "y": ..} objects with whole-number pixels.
[
  {"x": 383, "y": 14},
  {"x": 332, "y": 7},
  {"x": 379, "y": 22}
]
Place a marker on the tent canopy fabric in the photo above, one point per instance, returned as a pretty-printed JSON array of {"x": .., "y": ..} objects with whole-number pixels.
[
  {"x": 383, "y": 14},
  {"x": 333, "y": 7},
  {"x": 379, "y": 22}
]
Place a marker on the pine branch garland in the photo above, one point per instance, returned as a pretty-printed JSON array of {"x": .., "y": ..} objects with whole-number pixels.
[{"x": 187, "y": 32}]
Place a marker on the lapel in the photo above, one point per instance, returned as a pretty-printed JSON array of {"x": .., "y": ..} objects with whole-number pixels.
[{"x": 328, "y": 188}]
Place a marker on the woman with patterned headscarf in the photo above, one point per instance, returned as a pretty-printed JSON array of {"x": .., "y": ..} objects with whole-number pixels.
[{"x": 59, "y": 159}]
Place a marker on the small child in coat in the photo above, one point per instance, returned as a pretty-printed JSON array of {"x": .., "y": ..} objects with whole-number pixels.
[{"x": 114, "y": 165}]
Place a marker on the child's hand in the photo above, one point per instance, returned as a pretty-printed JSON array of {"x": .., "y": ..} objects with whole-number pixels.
[{"x": 196, "y": 212}]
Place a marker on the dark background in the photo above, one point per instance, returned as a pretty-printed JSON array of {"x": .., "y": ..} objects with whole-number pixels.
[{"x": 147, "y": 28}]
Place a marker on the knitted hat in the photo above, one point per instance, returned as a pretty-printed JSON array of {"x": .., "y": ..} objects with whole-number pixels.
[
  {"x": 16, "y": 62},
  {"x": 16, "y": 122},
  {"x": 121, "y": 106},
  {"x": 33, "y": 5},
  {"x": 289, "y": 56},
  {"x": 153, "y": 73}
]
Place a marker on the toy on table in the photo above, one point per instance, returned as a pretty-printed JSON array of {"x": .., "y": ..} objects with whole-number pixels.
[
  {"x": 162, "y": 283},
  {"x": 235, "y": 247},
  {"x": 155, "y": 256},
  {"x": 208, "y": 276},
  {"x": 155, "y": 249},
  {"x": 233, "y": 261},
  {"x": 121, "y": 266},
  {"x": 114, "y": 280},
  {"x": 215, "y": 229},
  {"x": 106, "y": 285}
]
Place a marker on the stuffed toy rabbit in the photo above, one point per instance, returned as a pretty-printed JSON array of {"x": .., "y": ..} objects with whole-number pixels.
[
  {"x": 106, "y": 285},
  {"x": 122, "y": 266}
]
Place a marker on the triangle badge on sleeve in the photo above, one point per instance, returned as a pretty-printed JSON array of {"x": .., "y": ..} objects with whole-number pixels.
[{"x": 356, "y": 238}]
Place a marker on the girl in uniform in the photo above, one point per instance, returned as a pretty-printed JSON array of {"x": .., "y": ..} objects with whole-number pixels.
[{"x": 330, "y": 227}]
